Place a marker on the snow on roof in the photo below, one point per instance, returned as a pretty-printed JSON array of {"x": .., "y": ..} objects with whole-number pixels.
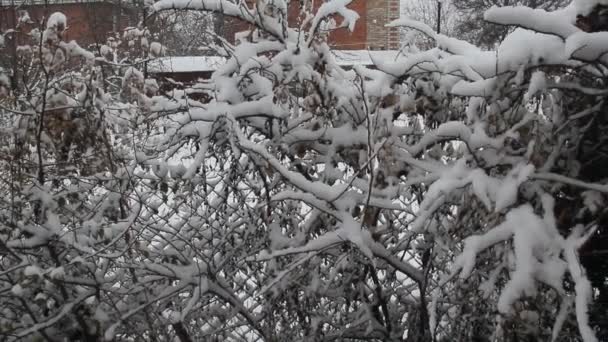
[
  {"x": 363, "y": 57},
  {"x": 185, "y": 64}
]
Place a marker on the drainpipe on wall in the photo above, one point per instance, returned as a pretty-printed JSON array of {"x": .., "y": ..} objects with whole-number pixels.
[{"x": 438, "y": 16}]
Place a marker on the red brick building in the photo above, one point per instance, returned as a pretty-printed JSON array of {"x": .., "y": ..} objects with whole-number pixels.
[
  {"x": 369, "y": 33},
  {"x": 89, "y": 21},
  {"x": 92, "y": 21}
]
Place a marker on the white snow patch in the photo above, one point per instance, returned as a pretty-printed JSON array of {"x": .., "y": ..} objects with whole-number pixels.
[
  {"x": 57, "y": 21},
  {"x": 17, "y": 290},
  {"x": 186, "y": 64}
]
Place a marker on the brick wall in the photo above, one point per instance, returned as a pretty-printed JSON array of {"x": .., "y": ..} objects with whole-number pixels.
[
  {"x": 394, "y": 12},
  {"x": 369, "y": 31},
  {"x": 379, "y": 13},
  {"x": 343, "y": 39},
  {"x": 91, "y": 22},
  {"x": 88, "y": 22}
]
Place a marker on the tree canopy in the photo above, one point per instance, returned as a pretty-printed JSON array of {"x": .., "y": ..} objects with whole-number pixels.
[{"x": 450, "y": 193}]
